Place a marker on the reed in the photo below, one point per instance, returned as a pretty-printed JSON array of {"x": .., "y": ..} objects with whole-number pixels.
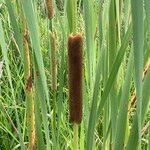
[
  {"x": 53, "y": 64},
  {"x": 54, "y": 61},
  {"x": 54, "y": 74},
  {"x": 29, "y": 94}
]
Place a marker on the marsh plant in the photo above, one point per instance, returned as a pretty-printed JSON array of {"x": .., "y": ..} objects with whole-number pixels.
[{"x": 74, "y": 74}]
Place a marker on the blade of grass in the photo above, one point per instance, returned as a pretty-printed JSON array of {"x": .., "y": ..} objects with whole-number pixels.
[
  {"x": 112, "y": 48},
  {"x": 114, "y": 70},
  {"x": 123, "y": 109},
  {"x": 147, "y": 10},
  {"x": 17, "y": 34},
  {"x": 92, "y": 118},
  {"x": 138, "y": 43},
  {"x": 126, "y": 13},
  {"x": 89, "y": 41},
  {"x": 41, "y": 97},
  {"x": 133, "y": 138}
]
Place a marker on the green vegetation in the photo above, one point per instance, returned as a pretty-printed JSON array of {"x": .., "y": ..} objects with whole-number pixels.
[{"x": 34, "y": 91}]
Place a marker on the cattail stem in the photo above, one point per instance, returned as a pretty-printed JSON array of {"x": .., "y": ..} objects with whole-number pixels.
[
  {"x": 53, "y": 62},
  {"x": 75, "y": 130},
  {"x": 29, "y": 94},
  {"x": 54, "y": 82},
  {"x": 74, "y": 5},
  {"x": 50, "y": 12},
  {"x": 72, "y": 15},
  {"x": 54, "y": 76}
]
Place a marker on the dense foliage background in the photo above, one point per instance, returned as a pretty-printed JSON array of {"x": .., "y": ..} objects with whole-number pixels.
[{"x": 34, "y": 74}]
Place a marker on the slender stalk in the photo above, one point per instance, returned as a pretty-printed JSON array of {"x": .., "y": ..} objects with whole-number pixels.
[
  {"x": 54, "y": 76},
  {"x": 75, "y": 130},
  {"x": 50, "y": 12},
  {"x": 72, "y": 15},
  {"x": 74, "y": 5},
  {"x": 29, "y": 95}
]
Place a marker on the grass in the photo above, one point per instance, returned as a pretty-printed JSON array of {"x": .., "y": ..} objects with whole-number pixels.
[{"x": 116, "y": 98}]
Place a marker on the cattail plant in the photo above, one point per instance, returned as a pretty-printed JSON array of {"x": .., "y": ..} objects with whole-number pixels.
[
  {"x": 50, "y": 12},
  {"x": 54, "y": 61},
  {"x": 54, "y": 74},
  {"x": 29, "y": 94},
  {"x": 75, "y": 61},
  {"x": 50, "y": 8}
]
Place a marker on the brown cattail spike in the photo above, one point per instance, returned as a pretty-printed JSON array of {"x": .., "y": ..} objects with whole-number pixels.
[
  {"x": 50, "y": 8},
  {"x": 75, "y": 62}
]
